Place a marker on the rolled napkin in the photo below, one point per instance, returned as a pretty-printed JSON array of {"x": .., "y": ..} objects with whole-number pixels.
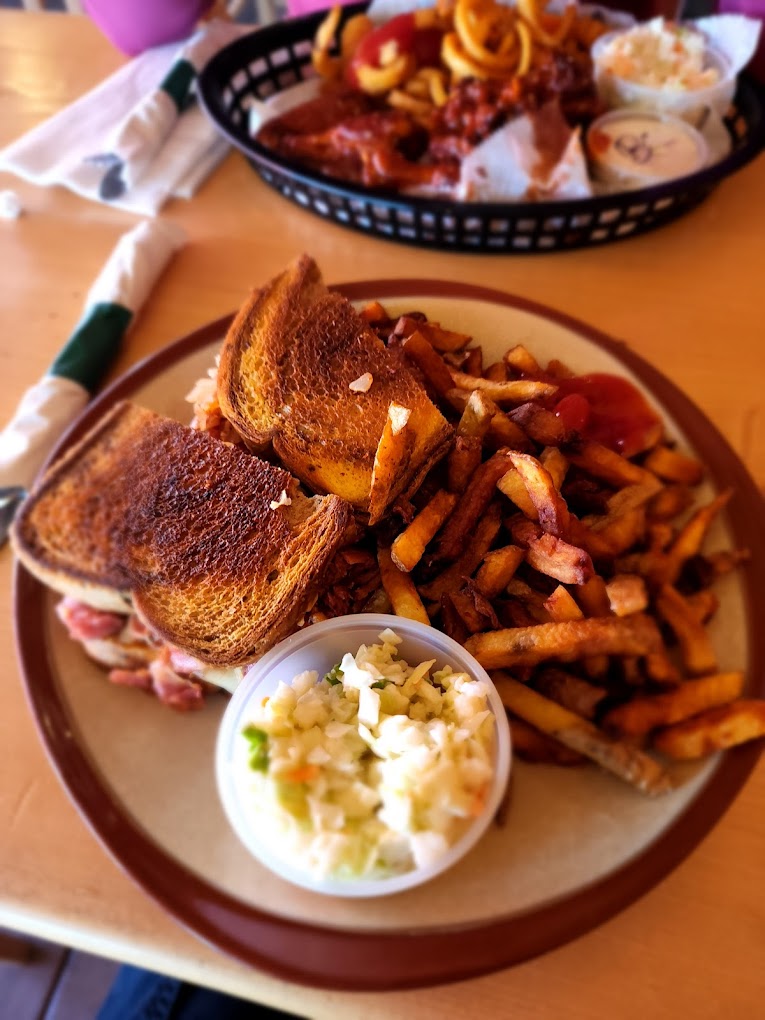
[
  {"x": 126, "y": 141},
  {"x": 135, "y": 142},
  {"x": 120, "y": 290}
]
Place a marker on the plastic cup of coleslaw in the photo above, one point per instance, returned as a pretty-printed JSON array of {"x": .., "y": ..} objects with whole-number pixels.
[
  {"x": 647, "y": 68},
  {"x": 387, "y": 835}
]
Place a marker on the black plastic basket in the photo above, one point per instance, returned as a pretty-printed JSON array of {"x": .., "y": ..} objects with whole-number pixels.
[{"x": 278, "y": 56}]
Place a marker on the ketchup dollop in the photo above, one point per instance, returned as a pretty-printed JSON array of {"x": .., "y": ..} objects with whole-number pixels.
[{"x": 607, "y": 409}]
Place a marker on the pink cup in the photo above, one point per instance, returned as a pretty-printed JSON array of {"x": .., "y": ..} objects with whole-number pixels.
[
  {"x": 137, "y": 25},
  {"x": 297, "y": 8}
]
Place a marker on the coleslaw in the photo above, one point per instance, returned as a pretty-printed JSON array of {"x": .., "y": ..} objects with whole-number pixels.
[
  {"x": 375, "y": 769},
  {"x": 659, "y": 54}
]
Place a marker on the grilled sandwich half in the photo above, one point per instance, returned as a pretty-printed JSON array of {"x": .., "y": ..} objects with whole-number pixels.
[
  {"x": 292, "y": 376},
  {"x": 217, "y": 552}
]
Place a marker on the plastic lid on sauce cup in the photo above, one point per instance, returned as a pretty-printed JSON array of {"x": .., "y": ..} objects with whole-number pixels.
[
  {"x": 319, "y": 647},
  {"x": 637, "y": 148}
]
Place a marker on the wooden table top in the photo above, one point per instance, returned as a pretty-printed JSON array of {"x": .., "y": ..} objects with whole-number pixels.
[{"x": 687, "y": 297}]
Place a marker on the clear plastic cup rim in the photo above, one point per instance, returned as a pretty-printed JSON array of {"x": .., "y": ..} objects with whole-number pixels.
[
  {"x": 606, "y": 171},
  {"x": 713, "y": 56}
]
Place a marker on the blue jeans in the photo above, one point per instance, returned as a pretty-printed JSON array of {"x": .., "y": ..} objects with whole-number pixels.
[{"x": 141, "y": 995}]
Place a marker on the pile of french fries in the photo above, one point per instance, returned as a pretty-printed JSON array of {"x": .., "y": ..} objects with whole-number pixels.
[
  {"x": 576, "y": 576},
  {"x": 482, "y": 39}
]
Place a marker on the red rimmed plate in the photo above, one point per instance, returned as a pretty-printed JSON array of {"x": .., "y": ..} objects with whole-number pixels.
[{"x": 578, "y": 845}]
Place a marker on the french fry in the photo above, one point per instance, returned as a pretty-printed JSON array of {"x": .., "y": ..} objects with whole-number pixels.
[
  {"x": 440, "y": 338},
  {"x": 593, "y": 597},
  {"x": 589, "y": 540},
  {"x": 696, "y": 648},
  {"x": 409, "y": 547},
  {"x": 532, "y": 601},
  {"x": 703, "y": 569},
  {"x": 689, "y": 539},
  {"x": 472, "y": 504},
  {"x": 512, "y": 485},
  {"x": 325, "y": 33},
  {"x": 373, "y": 312},
  {"x": 661, "y": 669},
  {"x": 497, "y": 569},
  {"x": 601, "y": 462},
  {"x": 475, "y": 24},
  {"x": 353, "y": 32},
  {"x": 517, "y": 613},
  {"x": 631, "y": 497},
  {"x": 463, "y": 566},
  {"x": 561, "y": 606},
  {"x": 502, "y": 431},
  {"x": 531, "y": 12},
  {"x": 400, "y": 589},
  {"x": 475, "y": 611},
  {"x": 553, "y": 556},
  {"x": 514, "y": 391},
  {"x": 551, "y": 510},
  {"x": 376, "y": 81},
  {"x": 465, "y": 455},
  {"x": 580, "y": 735},
  {"x": 528, "y": 646},
  {"x": 531, "y": 745},
  {"x": 521, "y": 360},
  {"x": 571, "y": 691},
  {"x": 452, "y": 623},
  {"x": 672, "y": 466},
  {"x": 714, "y": 730},
  {"x": 474, "y": 361},
  {"x": 703, "y": 604},
  {"x": 669, "y": 502},
  {"x": 622, "y": 531},
  {"x": 659, "y": 535},
  {"x": 554, "y": 462},
  {"x": 627, "y": 594},
  {"x": 541, "y": 425},
  {"x": 325, "y": 65},
  {"x": 401, "y": 99},
  {"x": 393, "y": 450},
  {"x": 559, "y": 369},
  {"x": 639, "y": 716},
  {"x": 429, "y": 362},
  {"x": 496, "y": 372}
]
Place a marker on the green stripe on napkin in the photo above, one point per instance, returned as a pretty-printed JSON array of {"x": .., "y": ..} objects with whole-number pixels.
[
  {"x": 87, "y": 355},
  {"x": 177, "y": 83}
]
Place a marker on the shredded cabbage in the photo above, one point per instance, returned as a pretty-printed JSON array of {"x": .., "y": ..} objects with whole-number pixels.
[
  {"x": 660, "y": 54},
  {"x": 372, "y": 770}
]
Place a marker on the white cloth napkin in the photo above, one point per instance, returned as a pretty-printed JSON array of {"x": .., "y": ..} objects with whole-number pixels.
[
  {"x": 185, "y": 148},
  {"x": 120, "y": 290}
]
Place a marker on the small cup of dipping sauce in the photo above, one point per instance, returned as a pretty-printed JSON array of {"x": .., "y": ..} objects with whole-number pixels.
[{"x": 637, "y": 149}]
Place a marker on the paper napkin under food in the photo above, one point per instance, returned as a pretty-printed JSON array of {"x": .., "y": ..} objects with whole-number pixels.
[
  {"x": 120, "y": 290},
  {"x": 165, "y": 148}
]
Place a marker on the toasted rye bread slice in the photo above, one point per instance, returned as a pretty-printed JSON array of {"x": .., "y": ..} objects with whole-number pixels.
[
  {"x": 147, "y": 510},
  {"x": 284, "y": 378}
]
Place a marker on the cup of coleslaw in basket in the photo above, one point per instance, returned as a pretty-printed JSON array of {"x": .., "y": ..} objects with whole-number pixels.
[
  {"x": 665, "y": 67},
  {"x": 363, "y": 756}
]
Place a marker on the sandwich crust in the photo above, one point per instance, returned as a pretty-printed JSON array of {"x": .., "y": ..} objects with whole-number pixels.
[
  {"x": 284, "y": 379},
  {"x": 146, "y": 510}
]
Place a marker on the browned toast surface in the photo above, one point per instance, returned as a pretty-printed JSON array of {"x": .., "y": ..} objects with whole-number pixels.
[
  {"x": 285, "y": 377},
  {"x": 185, "y": 525}
]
